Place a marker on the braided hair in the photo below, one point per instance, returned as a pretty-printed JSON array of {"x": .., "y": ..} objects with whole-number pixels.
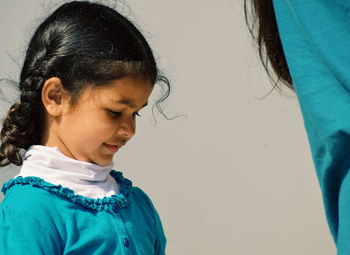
[{"x": 83, "y": 44}]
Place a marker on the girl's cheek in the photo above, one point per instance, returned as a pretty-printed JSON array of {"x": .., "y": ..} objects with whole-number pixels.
[{"x": 108, "y": 128}]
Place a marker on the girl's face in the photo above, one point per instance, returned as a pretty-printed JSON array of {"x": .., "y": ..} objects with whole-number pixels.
[{"x": 101, "y": 122}]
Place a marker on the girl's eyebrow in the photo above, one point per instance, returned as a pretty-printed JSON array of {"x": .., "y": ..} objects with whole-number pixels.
[{"x": 129, "y": 103}]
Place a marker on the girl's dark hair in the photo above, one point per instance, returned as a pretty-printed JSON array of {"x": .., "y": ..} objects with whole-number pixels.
[
  {"x": 83, "y": 44},
  {"x": 261, "y": 20}
]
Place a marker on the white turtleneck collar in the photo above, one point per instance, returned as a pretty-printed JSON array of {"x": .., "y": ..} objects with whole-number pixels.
[{"x": 86, "y": 179}]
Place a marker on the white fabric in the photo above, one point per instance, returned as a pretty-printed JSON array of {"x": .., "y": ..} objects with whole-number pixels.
[{"x": 86, "y": 179}]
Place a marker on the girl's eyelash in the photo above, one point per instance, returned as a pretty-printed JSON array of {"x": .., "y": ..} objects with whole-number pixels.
[{"x": 115, "y": 114}]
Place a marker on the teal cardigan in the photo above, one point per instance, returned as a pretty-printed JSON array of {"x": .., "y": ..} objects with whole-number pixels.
[
  {"x": 315, "y": 36},
  {"x": 37, "y": 217}
]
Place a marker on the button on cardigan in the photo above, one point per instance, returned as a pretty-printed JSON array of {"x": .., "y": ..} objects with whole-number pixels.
[{"x": 37, "y": 217}]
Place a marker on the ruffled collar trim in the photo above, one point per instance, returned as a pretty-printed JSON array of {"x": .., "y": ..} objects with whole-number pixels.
[{"x": 120, "y": 200}]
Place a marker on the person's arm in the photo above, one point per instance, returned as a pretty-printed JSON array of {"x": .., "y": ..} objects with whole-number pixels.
[{"x": 315, "y": 35}]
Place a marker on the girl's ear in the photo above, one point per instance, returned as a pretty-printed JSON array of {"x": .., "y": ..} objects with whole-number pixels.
[{"x": 53, "y": 96}]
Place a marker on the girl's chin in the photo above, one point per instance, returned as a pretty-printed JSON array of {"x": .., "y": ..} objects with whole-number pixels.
[{"x": 105, "y": 160}]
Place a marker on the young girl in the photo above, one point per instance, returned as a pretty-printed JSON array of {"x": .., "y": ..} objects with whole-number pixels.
[
  {"x": 306, "y": 43},
  {"x": 87, "y": 73}
]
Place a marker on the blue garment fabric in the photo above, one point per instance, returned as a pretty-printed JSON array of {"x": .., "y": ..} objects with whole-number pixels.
[
  {"x": 315, "y": 35},
  {"x": 37, "y": 217}
]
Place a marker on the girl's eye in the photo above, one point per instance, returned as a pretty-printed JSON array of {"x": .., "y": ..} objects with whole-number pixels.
[
  {"x": 117, "y": 114},
  {"x": 114, "y": 114}
]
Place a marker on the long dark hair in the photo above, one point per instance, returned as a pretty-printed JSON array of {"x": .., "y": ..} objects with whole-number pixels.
[
  {"x": 81, "y": 43},
  {"x": 261, "y": 21}
]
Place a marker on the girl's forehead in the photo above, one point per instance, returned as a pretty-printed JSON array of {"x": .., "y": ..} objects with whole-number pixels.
[
  {"x": 125, "y": 84},
  {"x": 125, "y": 91}
]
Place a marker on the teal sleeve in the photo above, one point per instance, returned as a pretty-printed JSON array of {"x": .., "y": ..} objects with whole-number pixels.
[
  {"x": 160, "y": 241},
  {"x": 26, "y": 228},
  {"x": 315, "y": 35},
  {"x": 159, "y": 236}
]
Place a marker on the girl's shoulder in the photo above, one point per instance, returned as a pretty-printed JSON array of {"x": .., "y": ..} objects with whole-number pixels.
[
  {"x": 144, "y": 203},
  {"x": 30, "y": 216},
  {"x": 25, "y": 197},
  {"x": 27, "y": 209},
  {"x": 141, "y": 197}
]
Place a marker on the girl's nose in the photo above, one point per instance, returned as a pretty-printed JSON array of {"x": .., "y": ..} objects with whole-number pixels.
[{"x": 127, "y": 129}]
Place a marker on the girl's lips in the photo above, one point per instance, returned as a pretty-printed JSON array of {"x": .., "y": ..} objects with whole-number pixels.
[{"x": 112, "y": 148}]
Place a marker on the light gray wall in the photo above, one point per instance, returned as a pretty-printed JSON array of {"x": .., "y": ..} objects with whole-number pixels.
[{"x": 236, "y": 177}]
